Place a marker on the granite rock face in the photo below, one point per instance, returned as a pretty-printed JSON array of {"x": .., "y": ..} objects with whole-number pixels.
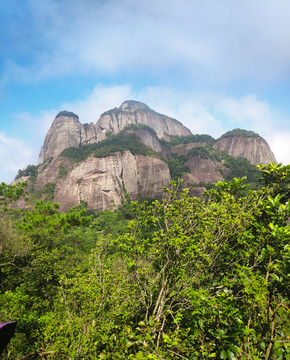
[
  {"x": 134, "y": 112},
  {"x": 183, "y": 149},
  {"x": 67, "y": 131},
  {"x": 64, "y": 132},
  {"x": 202, "y": 171},
  {"x": 254, "y": 149},
  {"x": 101, "y": 182},
  {"x": 149, "y": 138}
]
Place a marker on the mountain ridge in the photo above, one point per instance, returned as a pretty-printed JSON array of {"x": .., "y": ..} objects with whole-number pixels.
[{"x": 134, "y": 150}]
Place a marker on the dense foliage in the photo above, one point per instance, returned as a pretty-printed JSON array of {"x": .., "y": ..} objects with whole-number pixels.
[
  {"x": 46, "y": 194},
  {"x": 177, "y": 167},
  {"x": 178, "y": 140},
  {"x": 188, "y": 278},
  {"x": 113, "y": 144}
]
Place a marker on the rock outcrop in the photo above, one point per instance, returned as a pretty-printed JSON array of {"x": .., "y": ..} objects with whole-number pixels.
[
  {"x": 149, "y": 138},
  {"x": 102, "y": 182},
  {"x": 253, "y": 148},
  {"x": 183, "y": 149},
  {"x": 66, "y": 131},
  {"x": 134, "y": 112},
  {"x": 202, "y": 171},
  {"x": 135, "y": 159}
]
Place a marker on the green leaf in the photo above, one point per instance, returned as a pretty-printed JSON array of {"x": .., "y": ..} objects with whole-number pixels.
[
  {"x": 223, "y": 354},
  {"x": 231, "y": 355}
]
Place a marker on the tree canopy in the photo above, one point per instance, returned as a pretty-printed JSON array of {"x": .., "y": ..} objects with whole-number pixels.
[{"x": 189, "y": 278}]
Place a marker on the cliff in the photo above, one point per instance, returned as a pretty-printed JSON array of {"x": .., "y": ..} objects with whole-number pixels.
[
  {"x": 246, "y": 144},
  {"x": 67, "y": 131},
  {"x": 133, "y": 150},
  {"x": 102, "y": 182},
  {"x": 134, "y": 112}
]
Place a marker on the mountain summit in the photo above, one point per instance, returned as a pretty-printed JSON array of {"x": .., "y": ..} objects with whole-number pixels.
[
  {"x": 67, "y": 131},
  {"x": 135, "y": 151}
]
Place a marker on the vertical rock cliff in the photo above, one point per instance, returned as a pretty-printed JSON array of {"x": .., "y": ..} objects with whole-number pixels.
[
  {"x": 133, "y": 160},
  {"x": 246, "y": 144},
  {"x": 65, "y": 132}
]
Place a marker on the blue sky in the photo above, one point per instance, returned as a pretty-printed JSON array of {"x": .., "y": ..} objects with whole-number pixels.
[{"x": 215, "y": 65}]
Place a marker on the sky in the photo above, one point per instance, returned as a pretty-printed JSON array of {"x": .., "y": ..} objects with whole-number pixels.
[{"x": 215, "y": 65}]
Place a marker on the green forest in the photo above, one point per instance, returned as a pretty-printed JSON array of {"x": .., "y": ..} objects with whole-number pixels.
[{"x": 176, "y": 278}]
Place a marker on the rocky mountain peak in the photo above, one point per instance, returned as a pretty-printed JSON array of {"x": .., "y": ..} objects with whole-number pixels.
[
  {"x": 132, "y": 105},
  {"x": 66, "y": 114},
  {"x": 124, "y": 151},
  {"x": 65, "y": 131},
  {"x": 246, "y": 144},
  {"x": 135, "y": 112}
]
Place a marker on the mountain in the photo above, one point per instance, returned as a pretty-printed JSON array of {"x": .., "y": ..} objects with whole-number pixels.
[
  {"x": 67, "y": 131},
  {"x": 134, "y": 151},
  {"x": 246, "y": 144}
]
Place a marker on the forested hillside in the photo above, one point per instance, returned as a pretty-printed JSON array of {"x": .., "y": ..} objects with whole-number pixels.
[{"x": 177, "y": 278}]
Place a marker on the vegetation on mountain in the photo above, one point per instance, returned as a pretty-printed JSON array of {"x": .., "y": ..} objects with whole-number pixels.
[
  {"x": 115, "y": 111},
  {"x": 177, "y": 167},
  {"x": 30, "y": 170},
  {"x": 178, "y": 140},
  {"x": 241, "y": 133},
  {"x": 62, "y": 171},
  {"x": 67, "y": 113},
  {"x": 45, "y": 194},
  {"x": 238, "y": 167},
  {"x": 139, "y": 127},
  {"x": 9, "y": 194},
  {"x": 120, "y": 142},
  {"x": 188, "y": 278}
]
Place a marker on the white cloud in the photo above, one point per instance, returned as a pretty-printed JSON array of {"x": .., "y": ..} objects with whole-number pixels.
[
  {"x": 101, "y": 99},
  {"x": 280, "y": 145},
  {"x": 14, "y": 155},
  {"x": 212, "y": 41}
]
